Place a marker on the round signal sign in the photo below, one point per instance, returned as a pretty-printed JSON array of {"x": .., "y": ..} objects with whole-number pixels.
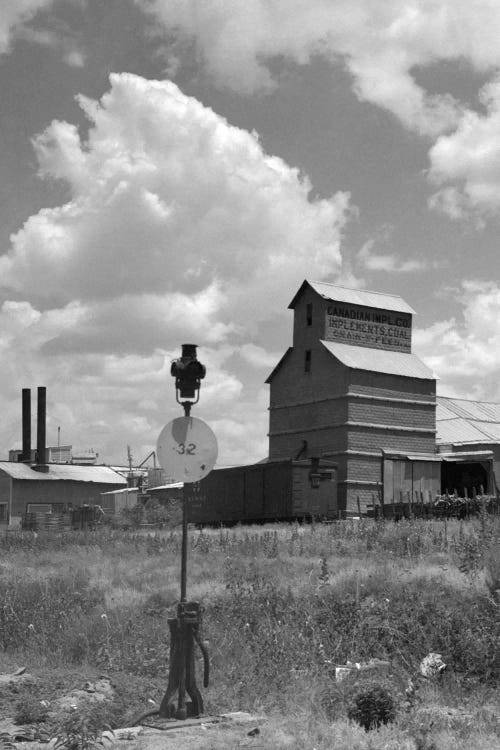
[{"x": 187, "y": 449}]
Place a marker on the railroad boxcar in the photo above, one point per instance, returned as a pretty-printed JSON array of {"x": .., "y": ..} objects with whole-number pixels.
[{"x": 272, "y": 491}]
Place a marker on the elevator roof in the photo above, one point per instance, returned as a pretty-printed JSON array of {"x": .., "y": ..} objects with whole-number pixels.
[
  {"x": 380, "y": 360},
  {"x": 361, "y": 297}
]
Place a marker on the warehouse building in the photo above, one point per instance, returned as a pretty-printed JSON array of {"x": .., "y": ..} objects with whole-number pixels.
[
  {"x": 32, "y": 485},
  {"x": 55, "y": 489},
  {"x": 468, "y": 442}
]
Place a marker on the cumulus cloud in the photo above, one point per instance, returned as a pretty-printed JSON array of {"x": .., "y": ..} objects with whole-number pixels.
[
  {"x": 15, "y": 13},
  {"x": 60, "y": 39},
  {"x": 257, "y": 356},
  {"x": 389, "y": 262},
  {"x": 168, "y": 197},
  {"x": 179, "y": 227},
  {"x": 385, "y": 45},
  {"x": 381, "y": 42},
  {"x": 470, "y": 157},
  {"x": 105, "y": 399},
  {"x": 464, "y": 351}
]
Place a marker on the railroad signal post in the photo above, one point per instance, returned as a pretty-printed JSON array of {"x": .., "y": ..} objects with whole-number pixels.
[{"x": 187, "y": 450}]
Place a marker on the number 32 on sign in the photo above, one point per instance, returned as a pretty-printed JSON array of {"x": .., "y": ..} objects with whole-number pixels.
[{"x": 187, "y": 449}]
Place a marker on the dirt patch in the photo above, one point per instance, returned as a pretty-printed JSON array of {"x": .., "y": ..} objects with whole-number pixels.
[
  {"x": 45, "y": 699},
  {"x": 236, "y": 730}
]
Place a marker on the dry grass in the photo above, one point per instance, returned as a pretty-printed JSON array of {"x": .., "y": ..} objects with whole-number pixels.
[{"x": 284, "y": 603}]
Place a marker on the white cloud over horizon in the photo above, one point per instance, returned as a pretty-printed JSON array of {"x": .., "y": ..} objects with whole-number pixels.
[
  {"x": 464, "y": 350},
  {"x": 179, "y": 227},
  {"x": 470, "y": 157}
]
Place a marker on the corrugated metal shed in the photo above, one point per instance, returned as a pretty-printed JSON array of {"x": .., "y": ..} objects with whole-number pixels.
[
  {"x": 380, "y": 360},
  {"x": 442, "y": 411},
  {"x": 361, "y": 297},
  {"x": 482, "y": 411},
  {"x": 467, "y": 456},
  {"x": 460, "y": 421},
  {"x": 460, "y": 431},
  {"x": 73, "y": 472}
]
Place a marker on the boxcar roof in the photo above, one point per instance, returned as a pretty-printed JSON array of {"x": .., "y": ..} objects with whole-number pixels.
[{"x": 74, "y": 472}]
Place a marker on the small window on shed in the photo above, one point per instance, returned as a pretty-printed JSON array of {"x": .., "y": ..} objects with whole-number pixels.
[
  {"x": 307, "y": 361},
  {"x": 309, "y": 313}
]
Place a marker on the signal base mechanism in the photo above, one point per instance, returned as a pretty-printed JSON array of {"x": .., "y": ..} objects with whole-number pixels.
[{"x": 184, "y": 631}]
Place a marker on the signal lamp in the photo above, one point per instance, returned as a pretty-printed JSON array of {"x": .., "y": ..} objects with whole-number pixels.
[{"x": 188, "y": 373}]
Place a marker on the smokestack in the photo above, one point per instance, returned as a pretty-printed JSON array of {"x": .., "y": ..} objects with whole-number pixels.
[
  {"x": 40, "y": 426},
  {"x": 26, "y": 454}
]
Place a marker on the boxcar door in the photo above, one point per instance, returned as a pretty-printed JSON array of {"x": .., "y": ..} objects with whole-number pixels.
[
  {"x": 233, "y": 495},
  {"x": 254, "y": 493},
  {"x": 321, "y": 501},
  {"x": 277, "y": 490}
]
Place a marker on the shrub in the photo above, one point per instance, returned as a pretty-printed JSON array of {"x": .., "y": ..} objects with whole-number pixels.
[
  {"x": 372, "y": 706},
  {"x": 82, "y": 729},
  {"x": 169, "y": 515},
  {"x": 31, "y": 711}
]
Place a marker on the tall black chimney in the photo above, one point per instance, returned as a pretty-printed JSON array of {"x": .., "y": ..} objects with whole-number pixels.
[
  {"x": 40, "y": 426},
  {"x": 26, "y": 454}
]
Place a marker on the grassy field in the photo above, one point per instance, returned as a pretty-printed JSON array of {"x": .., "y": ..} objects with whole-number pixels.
[{"x": 284, "y": 604}]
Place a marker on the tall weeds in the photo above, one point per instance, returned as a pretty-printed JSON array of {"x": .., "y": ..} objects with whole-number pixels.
[{"x": 284, "y": 604}]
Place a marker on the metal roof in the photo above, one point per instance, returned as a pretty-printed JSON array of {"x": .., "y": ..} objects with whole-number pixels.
[
  {"x": 361, "y": 297},
  {"x": 379, "y": 360},
  {"x": 493, "y": 429},
  {"x": 436, "y": 457},
  {"x": 460, "y": 431},
  {"x": 467, "y": 456},
  {"x": 121, "y": 491},
  {"x": 482, "y": 411},
  {"x": 460, "y": 421},
  {"x": 73, "y": 472},
  {"x": 442, "y": 411}
]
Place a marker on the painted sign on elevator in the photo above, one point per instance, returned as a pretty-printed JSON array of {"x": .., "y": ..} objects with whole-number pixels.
[{"x": 365, "y": 326}]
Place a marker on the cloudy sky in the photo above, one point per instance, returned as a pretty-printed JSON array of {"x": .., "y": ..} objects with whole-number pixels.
[{"x": 173, "y": 169}]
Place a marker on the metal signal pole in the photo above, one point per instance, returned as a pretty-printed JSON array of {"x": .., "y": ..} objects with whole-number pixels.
[{"x": 184, "y": 629}]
